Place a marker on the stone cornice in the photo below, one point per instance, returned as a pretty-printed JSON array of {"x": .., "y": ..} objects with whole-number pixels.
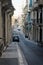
[
  {"x": 8, "y": 6},
  {"x": 6, "y": 2}
]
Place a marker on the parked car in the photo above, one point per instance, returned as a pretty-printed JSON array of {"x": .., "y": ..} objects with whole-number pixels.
[
  {"x": 15, "y": 37},
  {"x": 19, "y": 29},
  {"x": 26, "y": 36}
]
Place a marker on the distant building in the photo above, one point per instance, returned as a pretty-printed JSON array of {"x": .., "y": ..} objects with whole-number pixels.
[{"x": 27, "y": 19}]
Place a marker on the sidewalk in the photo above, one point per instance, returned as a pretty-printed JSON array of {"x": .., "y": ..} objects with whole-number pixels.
[
  {"x": 10, "y": 52},
  {"x": 14, "y": 55}
]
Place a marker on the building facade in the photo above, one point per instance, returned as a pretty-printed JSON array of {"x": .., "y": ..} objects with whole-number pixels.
[
  {"x": 37, "y": 9},
  {"x": 6, "y": 11},
  {"x": 27, "y": 23}
]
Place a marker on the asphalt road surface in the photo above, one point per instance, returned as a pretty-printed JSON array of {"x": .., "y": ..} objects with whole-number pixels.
[{"x": 32, "y": 52}]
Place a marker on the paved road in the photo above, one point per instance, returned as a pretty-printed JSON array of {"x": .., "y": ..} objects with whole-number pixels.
[{"x": 33, "y": 53}]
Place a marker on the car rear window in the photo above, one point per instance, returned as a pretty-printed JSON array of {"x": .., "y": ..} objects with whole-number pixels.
[{"x": 15, "y": 33}]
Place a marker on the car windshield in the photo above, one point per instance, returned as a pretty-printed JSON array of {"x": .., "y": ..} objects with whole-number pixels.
[{"x": 15, "y": 33}]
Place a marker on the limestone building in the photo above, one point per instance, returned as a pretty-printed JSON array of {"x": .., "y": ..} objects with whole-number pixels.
[
  {"x": 6, "y": 12},
  {"x": 37, "y": 9}
]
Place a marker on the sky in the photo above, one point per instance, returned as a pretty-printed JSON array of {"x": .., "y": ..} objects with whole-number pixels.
[{"x": 18, "y": 5}]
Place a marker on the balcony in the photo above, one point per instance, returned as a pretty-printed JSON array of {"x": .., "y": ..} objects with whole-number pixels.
[
  {"x": 40, "y": 2},
  {"x": 30, "y": 6},
  {"x": 37, "y": 3}
]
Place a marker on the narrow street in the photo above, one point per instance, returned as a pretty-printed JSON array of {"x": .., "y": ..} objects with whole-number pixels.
[
  {"x": 13, "y": 55},
  {"x": 21, "y": 32},
  {"x": 32, "y": 52}
]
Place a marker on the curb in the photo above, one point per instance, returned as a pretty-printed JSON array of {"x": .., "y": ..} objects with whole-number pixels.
[{"x": 21, "y": 57}]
